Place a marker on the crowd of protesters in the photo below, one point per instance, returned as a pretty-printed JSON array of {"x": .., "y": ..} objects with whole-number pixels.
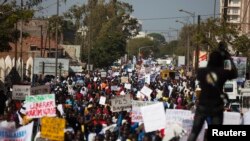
[{"x": 87, "y": 120}]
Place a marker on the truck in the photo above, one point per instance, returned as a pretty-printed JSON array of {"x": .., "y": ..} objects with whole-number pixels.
[
  {"x": 245, "y": 99},
  {"x": 232, "y": 89}
]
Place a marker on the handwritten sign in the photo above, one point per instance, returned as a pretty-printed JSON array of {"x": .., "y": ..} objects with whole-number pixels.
[
  {"x": 146, "y": 91},
  {"x": 102, "y": 100},
  {"x": 19, "y": 92},
  {"x": 120, "y": 103},
  {"x": 136, "y": 115},
  {"x": 154, "y": 117},
  {"x": 44, "y": 89},
  {"x": 53, "y": 128},
  {"x": 23, "y": 133},
  {"x": 40, "y": 105}
]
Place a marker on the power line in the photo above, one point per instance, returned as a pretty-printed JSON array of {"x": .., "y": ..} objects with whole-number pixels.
[
  {"x": 52, "y": 4},
  {"x": 169, "y": 18}
]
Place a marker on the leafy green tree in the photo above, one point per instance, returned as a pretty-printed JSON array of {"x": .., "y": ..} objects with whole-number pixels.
[
  {"x": 105, "y": 19},
  {"x": 107, "y": 49},
  {"x": 242, "y": 44},
  {"x": 211, "y": 31},
  {"x": 158, "y": 37},
  {"x": 133, "y": 46},
  {"x": 10, "y": 15}
]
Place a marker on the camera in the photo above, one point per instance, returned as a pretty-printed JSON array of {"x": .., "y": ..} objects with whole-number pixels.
[{"x": 223, "y": 51}]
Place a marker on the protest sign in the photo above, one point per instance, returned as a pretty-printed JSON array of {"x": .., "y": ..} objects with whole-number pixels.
[
  {"x": 146, "y": 91},
  {"x": 40, "y": 105},
  {"x": 184, "y": 119},
  {"x": 127, "y": 86},
  {"x": 115, "y": 88},
  {"x": 53, "y": 128},
  {"x": 136, "y": 109},
  {"x": 19, "y": 92},
  {"x": 139, "y": 95},
  {"x": 147, "y": 78},
  {"x": 122, "y": 93},
  {"x": 102, "y": 100},
  {"x": 121, "y": 103},
  {"x": 231, "y": 118},
  {"x": 154, "y": 117},
  {"x": 247, "y": 118},
  {"x": 24, "y": 133},
  {"x": 159, "y": 93},
  {"x": 124, "y": 79},
  {"x": 103, "y": 74},
  {"x": 44, "y": 89}
]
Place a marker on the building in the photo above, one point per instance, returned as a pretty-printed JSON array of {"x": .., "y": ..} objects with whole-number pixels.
[{"x": 236, "y": 12}]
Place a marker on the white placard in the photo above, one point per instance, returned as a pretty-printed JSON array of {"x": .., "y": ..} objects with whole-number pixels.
[
  {"x": 146, "y": 91},
  {"x": 154, "y": 117},
  {"x": 136, "y": 115},
  {"x": 120, "y": 103},
  {"x": 231, "y": 118},
  {"x": 114, "y": 88},
  {"x": 103, "y": 74},
  {"x": 102, "y": 100},
  {"x": 19, "y": 92},
  {"x": 23, "y": 133},
  {"x": 247, "y": 118},
  {"x": 127, "y": 86},
  {"x": 159, "y": 93},
  {"x": 40, "y": 105},
  {"x": 183, "y": 119},
  {"x": 147, "y": 78},
  {"x": 122, "y": 93}
]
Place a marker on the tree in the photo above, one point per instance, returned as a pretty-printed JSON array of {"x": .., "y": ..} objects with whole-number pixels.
[
  {"x": 10, "y": 15},
  {"x": 134, "y": 45},
  {"x": 211, "y": 31},
  {"x": 242, "y": 44},
  {"x": 108, "y": 19},
  {"x": 107, "y": 49},
  {"x": 158, "y": 37}
]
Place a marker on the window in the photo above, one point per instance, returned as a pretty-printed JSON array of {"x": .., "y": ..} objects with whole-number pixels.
[
  {"x": 228, "y": 87},
  {"x": 235, "y": 11},
  {"x": 235, "y": 1},
  {"x": 33, "y": 47}
]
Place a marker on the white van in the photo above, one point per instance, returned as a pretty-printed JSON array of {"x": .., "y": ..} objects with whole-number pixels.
[{"x": 231, "y": 88}]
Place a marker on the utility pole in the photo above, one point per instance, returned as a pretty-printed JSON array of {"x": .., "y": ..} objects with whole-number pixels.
[
  {"x": 21, "y": 41},
  {"x": 41, "y": 50},
  {"x": 197, "y": 47},
  {"x": 57, "y": 15},
  {"x": 214, "y": 8},
  {"x": 16, "y": 45}
]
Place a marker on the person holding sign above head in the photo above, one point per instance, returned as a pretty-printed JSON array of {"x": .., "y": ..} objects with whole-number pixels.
[{"x": 211, "y": 80}]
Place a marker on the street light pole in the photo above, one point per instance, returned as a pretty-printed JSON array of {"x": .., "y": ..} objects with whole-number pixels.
[
  {"x": 57, "y": 14},
  {"x": 188, "y": 45},
  {"x": 214, "y": 8},
  {"x": 21, "y": 41},
  {"x": 190, "y": 13}
]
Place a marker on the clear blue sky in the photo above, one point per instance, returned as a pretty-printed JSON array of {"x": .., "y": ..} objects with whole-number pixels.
[{"x": 155, "y": 15}]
